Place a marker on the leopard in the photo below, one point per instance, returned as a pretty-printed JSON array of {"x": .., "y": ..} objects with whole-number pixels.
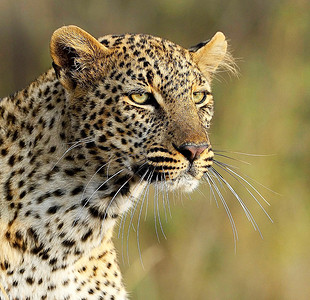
[{"x": 83, "y": 142}]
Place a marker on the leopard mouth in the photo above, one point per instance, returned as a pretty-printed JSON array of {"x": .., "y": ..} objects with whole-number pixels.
[
  {"x": 151, "y": 173},
  {"x": 186, "y": 180}
]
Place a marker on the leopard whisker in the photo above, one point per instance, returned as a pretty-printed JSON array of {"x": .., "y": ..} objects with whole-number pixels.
[
  {"x": 173, "y": 192},
  {"x": 147, "y": 195},
  {"x": 180, "y": 196},
  {"x": 112, "y": 200},
  {"x": 231, "y": 158},
  {"x": 140, "y": 212},
  {"x": 216, "y": 177},
  {"x": 75, "y": 145},
  {"x": 124, "y": 217},
  {"x": 83, "y": 140},
  {"x": 241, "y": 202},
  {"x": 156, "y": 206},
  {"x": 122, "y": 227},
  {"x": 163, "y": 187},
  {"x": 91, "y": 196},
  {"x": 250, "y": 178},
  {"x": 165, "y": 202},
  {"x": 201, "y": 193},
  {"x": 101, "y": 185},
  {"x": 167, "y": 193},
  {"x": 133, "y": 210},
  {"x": 158, "y": 213},
  {"x": 226, "y": 207},
  {"x": 243, "y": 153},
  {"x": 235, "y": 175},
  {"x": 93, "y": 176},
  {"x": 189, "y": 196},
  {"x": 211, "y": 189}
]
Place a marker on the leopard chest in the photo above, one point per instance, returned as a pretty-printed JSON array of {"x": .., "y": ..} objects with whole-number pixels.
[{"x": 93, "y": 276}]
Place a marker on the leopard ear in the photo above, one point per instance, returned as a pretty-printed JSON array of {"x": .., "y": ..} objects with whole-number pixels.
[
  {"x": 212, "y": 54},
  {"x": 78, "y": 58}
]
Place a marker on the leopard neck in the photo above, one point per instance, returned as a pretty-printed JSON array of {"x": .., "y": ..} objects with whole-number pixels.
[{"x": 50, "y": 184}]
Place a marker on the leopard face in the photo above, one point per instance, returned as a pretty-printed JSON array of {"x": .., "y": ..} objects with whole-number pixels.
[{"x": 150, "y": 107}]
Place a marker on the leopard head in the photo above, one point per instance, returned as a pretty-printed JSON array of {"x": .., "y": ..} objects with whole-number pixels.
[{"x": 145, "y": 102}]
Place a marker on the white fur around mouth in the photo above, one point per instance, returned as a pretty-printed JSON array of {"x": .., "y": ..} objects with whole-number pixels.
[{"x": 185, "y": 183}]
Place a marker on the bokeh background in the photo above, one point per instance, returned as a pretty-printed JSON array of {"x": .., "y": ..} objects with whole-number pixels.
[{"x": 266, "y": 111}]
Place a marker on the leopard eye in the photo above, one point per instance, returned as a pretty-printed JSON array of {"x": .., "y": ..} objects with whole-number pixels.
[
  {"x": 199, "y": 97},
  {"x": 139, "y": 98}
]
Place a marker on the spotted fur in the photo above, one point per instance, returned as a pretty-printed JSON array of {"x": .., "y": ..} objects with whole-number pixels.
[{"x": 76, "y": 152}]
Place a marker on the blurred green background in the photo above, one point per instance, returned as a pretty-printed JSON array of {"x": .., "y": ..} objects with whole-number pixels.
[{"x": 264, "y": 111}]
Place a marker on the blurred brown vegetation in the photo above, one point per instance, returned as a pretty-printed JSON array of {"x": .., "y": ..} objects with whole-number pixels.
[{"x": 264, "y": 111}]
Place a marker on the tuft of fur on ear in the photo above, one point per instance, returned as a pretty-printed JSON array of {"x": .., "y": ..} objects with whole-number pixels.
[
  {"x": 212, "y": 56},
  {"x": 78, "y": 58}
]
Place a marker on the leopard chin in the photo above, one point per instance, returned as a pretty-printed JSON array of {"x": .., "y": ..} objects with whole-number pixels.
[{"x": 185, "y": 183}]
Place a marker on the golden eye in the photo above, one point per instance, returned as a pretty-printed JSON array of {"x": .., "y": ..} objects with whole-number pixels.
[
  {"x": 139, "y": 98},
  {"x": 199, "y": 97}
]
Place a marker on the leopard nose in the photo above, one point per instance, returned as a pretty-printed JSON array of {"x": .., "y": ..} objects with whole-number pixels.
[{"x": 192, "y": 151}]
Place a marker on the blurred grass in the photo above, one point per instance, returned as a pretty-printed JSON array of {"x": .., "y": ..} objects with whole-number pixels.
[{"x": 265, "y": 111}]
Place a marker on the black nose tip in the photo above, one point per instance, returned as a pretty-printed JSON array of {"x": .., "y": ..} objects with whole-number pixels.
[{"x": 192, "y": 151}]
